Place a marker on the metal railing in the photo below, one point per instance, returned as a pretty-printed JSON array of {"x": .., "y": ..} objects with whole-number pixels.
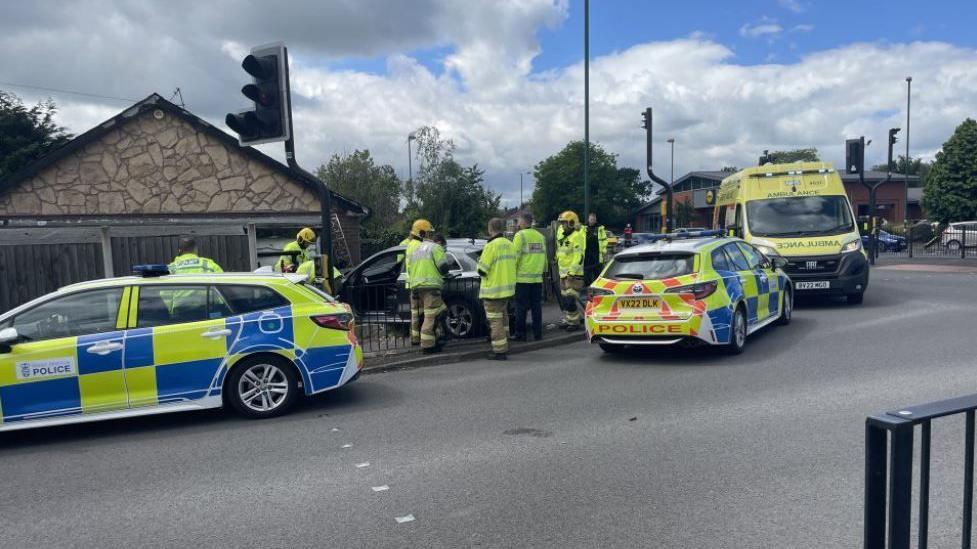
[
  {"x": 923, "y": 240},
  {"x": 889, "y": 475}
]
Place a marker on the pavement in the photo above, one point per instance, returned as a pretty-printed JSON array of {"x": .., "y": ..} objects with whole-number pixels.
[{"x": 561, "y": 447}]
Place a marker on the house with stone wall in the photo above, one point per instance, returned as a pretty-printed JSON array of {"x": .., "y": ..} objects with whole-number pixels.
[{"x": 156, "y": 171}]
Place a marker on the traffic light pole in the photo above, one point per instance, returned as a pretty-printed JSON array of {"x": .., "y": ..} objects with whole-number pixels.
[
  {"x": 325, "y": 197},
  {"x": 668, "y": 187}
]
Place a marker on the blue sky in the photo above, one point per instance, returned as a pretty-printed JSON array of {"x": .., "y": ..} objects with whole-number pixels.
[{"x": 747, "y": 27}]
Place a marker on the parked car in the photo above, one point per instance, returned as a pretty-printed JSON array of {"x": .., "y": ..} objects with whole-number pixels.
[
  {"x": 376, "y": 291},
  {"x": 134, "y": 346},
  {"x": 961, "y": 233},
  {"x": 613, "y": 242},
  {"x": 688, "y": 289},
  {"x": 887, "y": 242}
]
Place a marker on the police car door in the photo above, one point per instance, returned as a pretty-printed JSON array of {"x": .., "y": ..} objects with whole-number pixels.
[
  {"x": 747, "y": 280},
  {"x": 67, "y": 358},
  {"x": 175, "y": 345},
  {"x": 766, "y": 280}
]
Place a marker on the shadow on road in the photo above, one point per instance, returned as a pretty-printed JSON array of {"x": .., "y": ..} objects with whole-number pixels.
[{"x": 338, "y": 402}]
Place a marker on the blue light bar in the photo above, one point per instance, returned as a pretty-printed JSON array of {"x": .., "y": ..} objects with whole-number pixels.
[
  {"x": 151, "y": 270},
  {"x": 697, "y": 234}
]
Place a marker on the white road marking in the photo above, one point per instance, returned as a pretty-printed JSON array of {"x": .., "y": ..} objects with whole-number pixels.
[
  {"x": 347, "y": 446},
  {"x": 405, "y": 518},
  {"x": 362, "y": 465},
  {"x": 383, "y": 488}
]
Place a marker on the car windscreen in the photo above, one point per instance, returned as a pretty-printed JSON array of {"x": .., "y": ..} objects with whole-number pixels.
[
  {"x": 650, "y": 266},
  {"x": 799, "y": 216}
]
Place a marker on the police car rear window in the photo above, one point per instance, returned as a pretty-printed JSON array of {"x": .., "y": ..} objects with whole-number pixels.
[
  {"x": 245, "y": 299},
  {"x": 650, "y": 266}
]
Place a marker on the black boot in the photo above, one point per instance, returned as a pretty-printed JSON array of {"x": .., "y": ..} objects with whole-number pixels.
[
  {"x": 431, "y": 350},
  {"x": 497, "y": 356}
]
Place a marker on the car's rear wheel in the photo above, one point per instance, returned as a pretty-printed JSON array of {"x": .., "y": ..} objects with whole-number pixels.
[
  {"x": 262, "y": 387},
  {"x": 737, "y": 332},
  {"x": 612, "y": 348},
  {"x": 786, "y": 308},
  {"x": 953, "y": 245},
  {"x": 460, "y": 319}
]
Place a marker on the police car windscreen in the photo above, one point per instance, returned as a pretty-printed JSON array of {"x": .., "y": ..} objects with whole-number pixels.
[
  {"x": 799, "y": 216},
  {"x": 650, "y": 266}
]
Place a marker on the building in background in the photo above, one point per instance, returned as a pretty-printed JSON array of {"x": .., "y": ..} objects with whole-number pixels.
[{"x": 123, "y": 192}]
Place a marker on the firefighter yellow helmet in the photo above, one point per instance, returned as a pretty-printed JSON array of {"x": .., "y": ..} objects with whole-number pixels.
[
  {"x": 421, "y": 226},
  {"x": 570, "y": 217},
  {"x": 306, "y": 235}
]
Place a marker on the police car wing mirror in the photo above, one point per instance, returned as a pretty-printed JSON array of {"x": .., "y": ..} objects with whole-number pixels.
[
  {"x": 8, "y": 336},
  {"x": 779, "y": 262}
]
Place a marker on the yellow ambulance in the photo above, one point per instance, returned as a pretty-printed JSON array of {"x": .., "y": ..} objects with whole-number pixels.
[{"x": 799, "y": 211}]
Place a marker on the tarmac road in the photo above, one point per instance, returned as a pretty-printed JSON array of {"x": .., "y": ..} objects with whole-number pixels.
[{"x": 563, "y": 447}]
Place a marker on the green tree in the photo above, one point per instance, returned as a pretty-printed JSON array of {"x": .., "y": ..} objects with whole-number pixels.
[
  {"x": 615, "y": 192},
  {"x": 26, "y": 134},
  {"x": 916, "y": 167},
  {"x": 950, "y": 191},
  {"x": 451, "y": 196},
  {"x": 356, "y": 176},
  {"x": 684, "y": 213},
  {"x": 795, "y": 155}
]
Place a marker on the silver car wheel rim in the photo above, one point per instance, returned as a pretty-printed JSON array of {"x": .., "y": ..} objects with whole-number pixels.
[
  {"x": 953, "y": 245},
  {"x": 739, "y": 329},
  {"x": 787, "y": 305},
  {"x": 459, "y": 320},
  {"x": 263, "y": 387}
]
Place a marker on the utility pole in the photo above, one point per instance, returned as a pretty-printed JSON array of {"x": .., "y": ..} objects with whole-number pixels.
[
  {"x": 909, "y": 235},
  {"x": 586, "y": 109},
  {"x": 410, "y": 166},
  {"x": 667, "y": 214}
]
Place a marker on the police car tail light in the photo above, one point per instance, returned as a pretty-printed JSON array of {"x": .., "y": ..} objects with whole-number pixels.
[
  {"x": 595, "y": 292},
  {"x": 339, "y": 321},
  {"x": 699, "y": 290}
]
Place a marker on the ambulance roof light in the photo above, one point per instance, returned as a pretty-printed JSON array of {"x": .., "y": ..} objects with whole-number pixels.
[{"x": 151, "y": 270}]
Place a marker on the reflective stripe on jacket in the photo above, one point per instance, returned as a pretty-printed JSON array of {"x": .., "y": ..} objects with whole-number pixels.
[
  {"x": 412, "y": 245},
  {"x": 530, "y": 247},
  {"x": 422, "y": 266},
  {"x": 192, "y": 263},
  {"x": 497, "y": 267},
  {"x": 569, "y": 253}
]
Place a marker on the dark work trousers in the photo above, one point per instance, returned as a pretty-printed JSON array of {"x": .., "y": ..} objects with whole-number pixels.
[
  {"x": 590, "y": 274},
  {"x": 529, "y": 297}
]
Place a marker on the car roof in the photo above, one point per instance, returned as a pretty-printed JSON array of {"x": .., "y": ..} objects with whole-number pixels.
[
  {"x": 205, "y": 278},
  {"x": 691, "y": 245}
]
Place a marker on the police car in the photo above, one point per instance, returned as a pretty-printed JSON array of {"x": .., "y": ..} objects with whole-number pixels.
[
  {"x": 159, "y": 343},
  {"x": 687, "y": 288}
]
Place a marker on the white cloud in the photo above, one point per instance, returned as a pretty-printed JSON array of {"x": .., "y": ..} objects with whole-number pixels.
[
  {"x": 505, "y": 116},
  {"x": 792, "y": 5},
  {"x": 802, "y": 28},
  {"x": 763, "y": 28}
]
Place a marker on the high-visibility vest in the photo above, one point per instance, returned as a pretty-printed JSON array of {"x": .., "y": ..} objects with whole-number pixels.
[
  {"x": 286, "y": 259},
  {"x": 307, "y": 268},
  {"x": 602, "y": 243},
  {"x": 422, "y": 266},
  {"x": 497, "y": 266},
  {"x": 411, "y": 243},
  {"x": 530, "y": 246},
  {"x": 192, "y": 264},
  {"x": 569, "y": 253}
]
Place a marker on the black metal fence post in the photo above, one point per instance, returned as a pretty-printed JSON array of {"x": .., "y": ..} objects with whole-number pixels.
[
  {"x": 901, "y": 486},
  {"x": 876, "y": 465}
]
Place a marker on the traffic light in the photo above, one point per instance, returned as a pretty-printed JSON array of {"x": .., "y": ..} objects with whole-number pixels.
[
  {"x": 646, "y": 119},
  {"x": 270, "y": 118},
  {"x": 854, "y": 153},
  {"x": 892, "y": 136}
]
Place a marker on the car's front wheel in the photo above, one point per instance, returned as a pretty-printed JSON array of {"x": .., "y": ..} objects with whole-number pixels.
[
  {"x": 262, "y": 387},
  {"x": 460, "y": 319},
  {"x": 737, "y": 332},
  {"x": 953, "y": 245}
]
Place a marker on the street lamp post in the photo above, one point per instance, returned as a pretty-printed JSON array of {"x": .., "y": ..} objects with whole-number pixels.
[
  {"x": 671, "y": 141},
  {"x": 410, "y": 166},
  {"x": 909, "y": 235},
  {"x": 586, "y": 108}
]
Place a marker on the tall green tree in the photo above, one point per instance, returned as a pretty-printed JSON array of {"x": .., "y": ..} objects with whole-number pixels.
[
  {"x": 615, "y": 192},
  {"x": 26, "y": 134},
  {"x": 356, "y": 176},
  {"x": 917, "y": 166},
  {"x": 451, "y": 196},
  {"x": 794, "y": 155},
  {"x": 950, "y": 191}
]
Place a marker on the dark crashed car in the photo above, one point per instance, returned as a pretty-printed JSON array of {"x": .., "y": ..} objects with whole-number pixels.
[{"x": 376, "y": 291}]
